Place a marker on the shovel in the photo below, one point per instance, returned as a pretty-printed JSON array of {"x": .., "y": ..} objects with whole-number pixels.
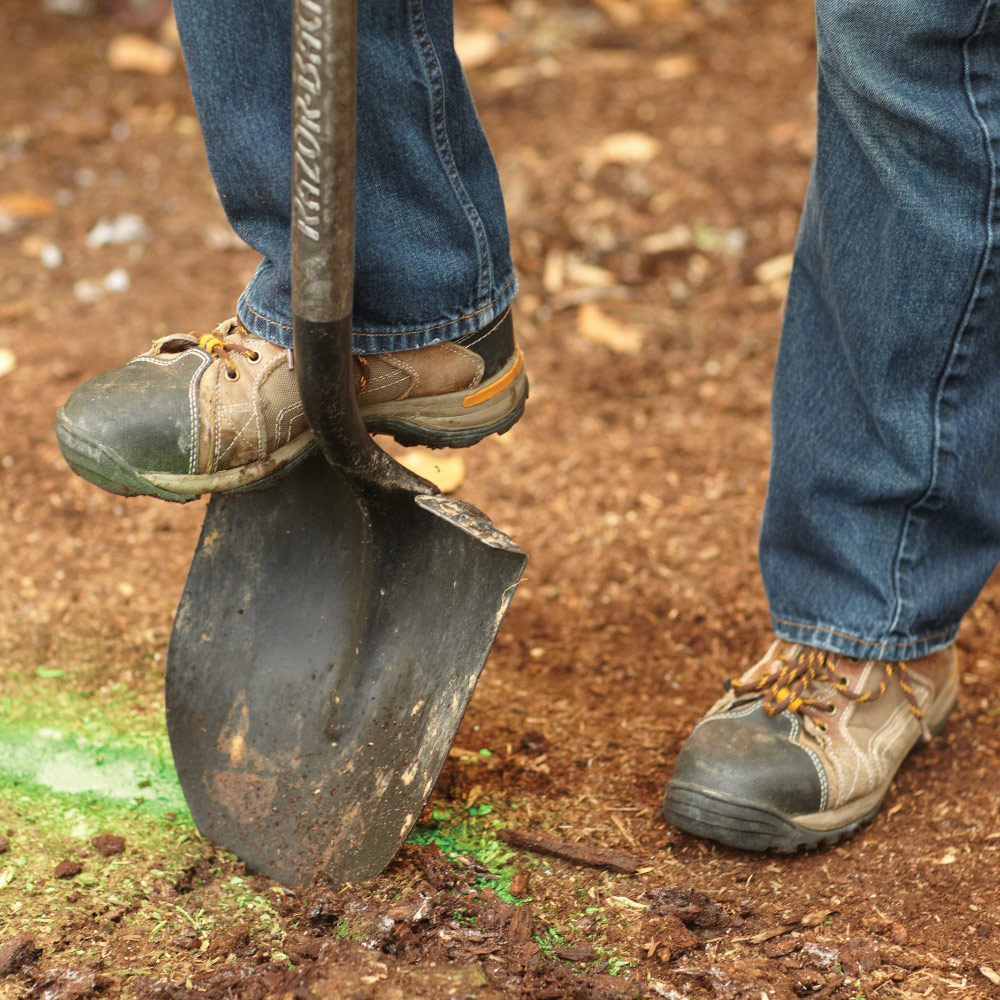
[{"x": 332, "y": 629}]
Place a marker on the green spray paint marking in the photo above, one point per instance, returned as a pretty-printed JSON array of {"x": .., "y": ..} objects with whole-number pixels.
[{"x": 110, "y": 770}]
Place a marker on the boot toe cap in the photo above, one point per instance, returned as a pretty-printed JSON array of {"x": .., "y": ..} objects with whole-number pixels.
[
  {"x": 741, "y": 778},
  {"x": 137, "y": 419}
]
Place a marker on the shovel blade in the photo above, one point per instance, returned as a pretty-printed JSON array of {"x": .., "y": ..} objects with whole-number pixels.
[{"x": 326, "y": 646}]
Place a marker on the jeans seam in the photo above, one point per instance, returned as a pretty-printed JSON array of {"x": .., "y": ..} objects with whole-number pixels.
[
  {"x": 439, "y": 131},
  {"x": 915, "y": 509},
  {"x": 864, "y": 642}
]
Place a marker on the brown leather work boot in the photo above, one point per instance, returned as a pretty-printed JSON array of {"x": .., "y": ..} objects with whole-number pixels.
[
  {"x": 801, "y": 750},
  {"x": 221, "y": 412}
]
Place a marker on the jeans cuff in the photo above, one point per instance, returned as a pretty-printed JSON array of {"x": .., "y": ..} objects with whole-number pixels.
[
  {"x": 379, "y": 341},
  {"x": 837, "y": 640}
]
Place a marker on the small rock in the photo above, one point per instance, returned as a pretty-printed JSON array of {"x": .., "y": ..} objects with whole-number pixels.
[
  {"x": 108, "y": 844},
  {"x": 117, "y": 280},
  {"x": 87, "y": 291},
  {"x": 4, "y": 845},
  {"x": 68, "y": 8},
  {"x": 8, "y": 362},
  {"x": 819, "y": 956},
  {"x": 899, "y": 934},
  {"x": 51, "y": 256},
  {"x": 124, "y": 228},
  {"x": 16, "y": 953},
  {"x": 68, "y": 869},
  {"x": 185, "y": 942},
  {"x": 69, "y": 984}
]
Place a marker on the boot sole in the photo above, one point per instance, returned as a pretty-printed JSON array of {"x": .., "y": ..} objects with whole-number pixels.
[
  {"x": 751, "y": 827},
  {"x": 434, "y": 422}
]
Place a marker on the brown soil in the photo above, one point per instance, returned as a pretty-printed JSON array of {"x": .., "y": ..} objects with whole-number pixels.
[{"x": 635, "y": 482}]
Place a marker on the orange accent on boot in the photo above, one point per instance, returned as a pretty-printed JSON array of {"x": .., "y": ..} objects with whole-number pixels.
[{"x": 491, "y": 390}]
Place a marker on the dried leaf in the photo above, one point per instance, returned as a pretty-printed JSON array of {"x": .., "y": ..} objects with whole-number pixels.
[
  {"x": 598, "y": 327},
  {"x": 138, "y": 54}
]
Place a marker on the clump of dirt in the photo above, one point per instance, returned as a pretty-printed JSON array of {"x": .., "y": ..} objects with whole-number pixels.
[
  {"x": 108, "y": 844},
  {"x": 444, "y": 926},
  {"x": 18, "y": 953}
]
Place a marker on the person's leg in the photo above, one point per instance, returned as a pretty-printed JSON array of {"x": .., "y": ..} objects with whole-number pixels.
[
  {"x": 882, "y": 520},
  {"x": 436, "y": 362},
  {"x": 433, "y": 253}
]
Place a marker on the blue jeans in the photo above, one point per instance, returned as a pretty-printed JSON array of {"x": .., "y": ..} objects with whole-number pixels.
[
  {"x": 432, "y": 248},
  {"x": 882, "y": 520}
]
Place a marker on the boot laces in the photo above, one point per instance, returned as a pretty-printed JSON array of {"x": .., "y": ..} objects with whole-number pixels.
[
  {"x": 791, "y": 684},
  {"x": 223, "y": 350},
  {"x": 213, "y": 343}
]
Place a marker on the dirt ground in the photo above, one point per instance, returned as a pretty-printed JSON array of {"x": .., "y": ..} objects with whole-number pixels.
[{"x": 654, "y": 155}]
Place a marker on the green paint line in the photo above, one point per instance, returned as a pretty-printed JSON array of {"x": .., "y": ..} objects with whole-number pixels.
[{"x": 109, "y": 770}]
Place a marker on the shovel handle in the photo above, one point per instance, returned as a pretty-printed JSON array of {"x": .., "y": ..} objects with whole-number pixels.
[{"x": 324, "y": 85}]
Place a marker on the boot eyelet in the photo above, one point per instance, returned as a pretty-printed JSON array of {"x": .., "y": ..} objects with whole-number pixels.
[
  {"x": 822, "y": 727},
  {"x": 232, "y": 374},
  {"x": 253, "y": 357},
  {"x": 832, "y": 710},
  {"x": 844, "y": 682}
]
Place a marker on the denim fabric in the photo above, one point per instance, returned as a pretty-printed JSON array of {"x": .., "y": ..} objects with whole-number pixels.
[
  {"x": 882, "y": 520},
  {"x": 432, "y": 248}
]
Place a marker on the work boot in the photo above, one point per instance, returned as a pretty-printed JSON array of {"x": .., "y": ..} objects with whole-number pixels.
[
  {"x": 221, "y": 412},
  {"x": 801, "y": 750}
]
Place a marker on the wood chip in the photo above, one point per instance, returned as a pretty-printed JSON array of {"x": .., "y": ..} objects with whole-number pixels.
[
  {"x": 774, "y": 269},
  {"x": 577, "y": 854},
  {"x": 18, "y": 308},
  {"x": 519, "y": 928},
  {"x": 598, "y": 327},
  {"x": 138, "y": 54},
  {"x": 990, "y": 974},
  {"x": 476, "y": 48},
  {"x": 674, "y": 67},
  {"x": 572, "y": 953},
  {"x": 446, "y": 472},
  {"x": 25, "y": 205},
  {"x": 627, "y": 149},
  {"x": 520, "y": 884},
  {"x": 8, "y": 361}
]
